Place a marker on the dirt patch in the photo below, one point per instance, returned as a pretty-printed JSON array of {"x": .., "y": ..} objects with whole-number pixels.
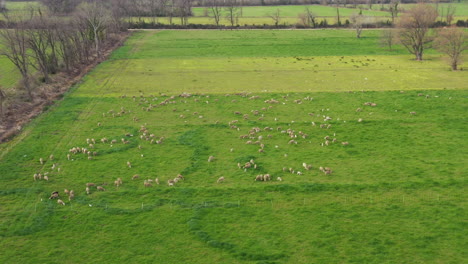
[{"x": 18, "y": 113}]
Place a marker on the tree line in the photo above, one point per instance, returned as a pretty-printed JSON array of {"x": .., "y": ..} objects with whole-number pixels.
[{"x": 40, "y": 45}]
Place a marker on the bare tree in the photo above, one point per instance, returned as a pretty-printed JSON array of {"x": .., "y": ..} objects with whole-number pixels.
[
  {"x": 232, "y": 12},
  {"x": 276, "y": 17},
  {"x": 450, "y": 14},
  {"x": 414, "y": 26},
  {"x": 215, "y": 10},
  {"x": 452, "y": 41},
  {"x": 357, "y": 20},
  {"x": 387, "y": 39},
  {"x": 183, "y": 10},
  {"x": 96, "y": 16},
  {"x": 3, "y": 98},
  {"x": 14, "y": 46},
  {"x": 393, "y": 9},
  {"x": 308, "y": 18}
]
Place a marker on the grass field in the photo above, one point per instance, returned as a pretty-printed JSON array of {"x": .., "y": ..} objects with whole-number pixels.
[{"x": 396, "y": 194}]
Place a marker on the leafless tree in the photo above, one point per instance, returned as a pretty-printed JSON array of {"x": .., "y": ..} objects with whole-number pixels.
[
  {"x": 308, "y": 18},
  {"x": 96, "y": 16},
  {"x": 232, "y": 11},
  {"x": 393, "y": 9},
  {"x": 357, "y": 20},
  {"x": 387, "y": 39},
  {"x": 183, "y": 10},
  {"x": 452, "y": 41},
  {"x": 449, "y": 15},
  {"x": 14, "y": 46},
  {"x": 414, "y": 27},
  {"x": 276, "y": 16},
  {"x": 215, "y": 10},
  {"x": 3, "y": 98}
]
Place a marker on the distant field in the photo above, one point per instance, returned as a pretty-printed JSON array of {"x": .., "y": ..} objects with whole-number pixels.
[{"x": 396, "y": 193}]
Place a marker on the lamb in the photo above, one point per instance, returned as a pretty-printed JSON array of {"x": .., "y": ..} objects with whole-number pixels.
[
  {"x": 211, "y": 158},
  {"x": 266, "y": 177},
  {"x": 46, "y": 178},
  {"x": 220, "y": 179},
  {"x": 279, "y": 179},
  {"x": 259, "y": 177},
  {"x": 60, "y": 202},
  {"x": 100, "y": 188}
]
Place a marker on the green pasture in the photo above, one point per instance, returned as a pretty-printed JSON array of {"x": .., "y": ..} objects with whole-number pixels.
[{"x": 396, "y": 194}]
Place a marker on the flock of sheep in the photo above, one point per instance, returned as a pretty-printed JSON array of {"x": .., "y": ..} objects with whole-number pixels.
[{"x": 254, "y": 136}]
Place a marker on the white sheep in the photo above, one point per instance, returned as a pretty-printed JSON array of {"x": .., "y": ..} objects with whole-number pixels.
[
  {"x": 220, "y": 179},
  {"x": 88, "y": 190},
  {"x": 60, "y": 202},
  {"x": 71, "y": 195},
  {"x": 129, "y": 164},
  {"x": 90, "y": 184},
  {"x": 136, "y": 176},
  {"x": 211, "y": 158},
  {"x": 266, "y": 177},
  {"x": 279, "y": 179},
  {"x": 100, "y": 188},
  {"x": 46, "y": 178},
  {"x": 259, "y": 177}
]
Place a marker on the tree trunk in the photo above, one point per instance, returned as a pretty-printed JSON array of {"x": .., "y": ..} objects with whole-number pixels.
[{"x": 454, "y": 66}]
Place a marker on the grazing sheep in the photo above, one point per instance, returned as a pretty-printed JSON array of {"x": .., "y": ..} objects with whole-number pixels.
[
  {"x": 211, "y": 158},
  {"x": 129, "y": 164},
  {"x": 89, "y": 184},
  {"x": 88, "y": 191},
  {"x": 412, "y": 113},
  {"x": 279, "y": 179},
  {"x": 66, "y": 191},
  {"x": 220, "y": 179},
  {"x": 117, "y": 183},
  {"x": 306, "y": 166},
  {"x": 35, "y": 177},
  {"x": 100, "y": 188},
  {"x": 266, "y": 177},
  {"x": 147, "y": 184},
  {"x": 170, "y": 182},
  {"x": 41, "y": 160},
  {"x": 71, "y": 195},
  {"x": 156, "y": 181},
  {"x": 60, "y": 202},
  {"x": 136, "y": 176},
  {"x": 54, "y": 195},
  {"x": 51, "y": 157},
  {"x": 46, "y": 178},
  {"x": 259, "y": 177},
  {"x": 345, "y": 143},
  {"x": 68, "y": 156}
]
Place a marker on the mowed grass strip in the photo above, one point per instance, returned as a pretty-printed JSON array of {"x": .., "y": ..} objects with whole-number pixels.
[{"x": 395, "y": 194}]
